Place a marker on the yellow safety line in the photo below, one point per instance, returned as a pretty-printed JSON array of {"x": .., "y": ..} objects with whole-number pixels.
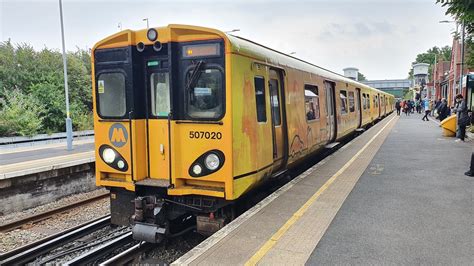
[{"x": 300, "y": 212}]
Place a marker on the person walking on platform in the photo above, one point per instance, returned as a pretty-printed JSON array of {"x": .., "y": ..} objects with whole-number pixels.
[
  {"x": 463, "y": 118},
  {"x": 443, "y": 110},
  {"x": 426, "y": 103},
  {"x": 471, "y": 169},
  {"x": 406, "y": 108},
  {"x": 398, "y": 106}
]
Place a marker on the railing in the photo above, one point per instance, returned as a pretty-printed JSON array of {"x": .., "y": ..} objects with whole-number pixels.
[{"x": 44, "y": 137}]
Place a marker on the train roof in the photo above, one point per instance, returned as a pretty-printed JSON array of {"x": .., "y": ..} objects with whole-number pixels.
[
  {"x": 239, "y": 45},
  {"x": 274, "y": 57}
]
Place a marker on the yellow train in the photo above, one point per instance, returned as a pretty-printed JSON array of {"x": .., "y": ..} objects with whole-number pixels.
[{"x": 189, "y": 119}]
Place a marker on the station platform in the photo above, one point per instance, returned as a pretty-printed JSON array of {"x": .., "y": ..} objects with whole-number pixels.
[
  {"x": 20, "y": 161},
  {"x": 397, "y": 194}
]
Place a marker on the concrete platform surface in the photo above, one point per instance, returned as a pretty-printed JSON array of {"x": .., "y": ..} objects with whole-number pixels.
[
  {"x": 27, "y": 160},
  {"x": 407, "y": 203},
  {"x": 413, "y": 205}
]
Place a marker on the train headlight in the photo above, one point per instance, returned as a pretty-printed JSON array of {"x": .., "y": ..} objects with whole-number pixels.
[
  {"x": 121, "y": 164},
  {"x": 197, "y": 169},
  {"x": 212, "y": 161},
  {"x": 109, "y": 155},
  {"x": 152, "y": 35},
  {"x": 206, "y": 164}
]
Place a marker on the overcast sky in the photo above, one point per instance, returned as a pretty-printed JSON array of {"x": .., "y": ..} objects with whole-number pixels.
[{"x": 381, "y": 37}]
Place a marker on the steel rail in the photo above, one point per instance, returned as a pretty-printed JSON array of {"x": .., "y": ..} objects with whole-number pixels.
[
  {"x": 127, "y": 256},
  {"x": 95, "y": 254},
  {"x": 43, "y": 240},
  {"x": 45, "y": 215},
  {"x": 29, "y": 254}
]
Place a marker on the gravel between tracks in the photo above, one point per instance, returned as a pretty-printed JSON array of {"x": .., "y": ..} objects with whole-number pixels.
[
  {"x": 33, "y": 232},
  {"x": 175, "y": 248}
]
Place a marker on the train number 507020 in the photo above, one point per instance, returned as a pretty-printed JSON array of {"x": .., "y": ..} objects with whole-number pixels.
[{"x": 204, "y": 135}]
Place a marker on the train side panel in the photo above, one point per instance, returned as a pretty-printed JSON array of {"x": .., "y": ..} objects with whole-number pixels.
[
  {"x": 252, "y": 142},
  {"x": 306, "y": 114}
]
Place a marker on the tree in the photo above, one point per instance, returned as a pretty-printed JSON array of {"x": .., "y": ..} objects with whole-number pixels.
[
  {"x": 463, "y": 12},
  {"x": 37, "y": 76},
  {"x": 361, "y": 77}
]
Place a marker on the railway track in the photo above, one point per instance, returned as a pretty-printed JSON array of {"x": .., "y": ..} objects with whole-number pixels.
[
  {"x": 40, "y": 248},
  {"x": 129, "y": 256},
  {"x": 95, "y": 255},
  {"x": 48, "y": 214}
]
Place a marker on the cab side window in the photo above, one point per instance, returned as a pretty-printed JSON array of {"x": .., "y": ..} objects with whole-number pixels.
[
  {"x": 311, "y": 100},
  {"x": 259, "y": 83}
]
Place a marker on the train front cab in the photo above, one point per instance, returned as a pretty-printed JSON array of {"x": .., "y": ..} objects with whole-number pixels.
[{"x": 163, "y": 124}]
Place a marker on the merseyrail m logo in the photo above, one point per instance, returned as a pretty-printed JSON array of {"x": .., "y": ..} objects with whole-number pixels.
[{"x": 118, "y": 135}]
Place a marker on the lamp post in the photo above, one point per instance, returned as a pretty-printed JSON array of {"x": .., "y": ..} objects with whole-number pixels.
[
  {"x": 435, "y": 74},
  {"x": 147, "y": 26},
  {"x": 462, "y": 58},
  {"x": 66, "y": 89},
  {"x": 234, "y": 30}
]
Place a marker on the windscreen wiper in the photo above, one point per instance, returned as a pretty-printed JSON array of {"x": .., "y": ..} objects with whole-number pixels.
[{"x": 195, "y": 75}]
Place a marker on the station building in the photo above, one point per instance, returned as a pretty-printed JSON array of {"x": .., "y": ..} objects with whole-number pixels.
[{"x": 450, "y": 79}]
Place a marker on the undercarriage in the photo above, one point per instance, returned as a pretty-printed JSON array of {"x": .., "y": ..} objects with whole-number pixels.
[{"x": 155, "y": 216}]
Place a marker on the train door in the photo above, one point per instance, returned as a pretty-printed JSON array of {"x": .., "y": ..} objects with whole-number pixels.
[
  {"x": 331, "y": 123},
  {"x": 157, "y": 85},
  {"x": 276, "y": 89},
  {"x": 359, "y": 107},
  {"x": 378, "y": 104}
]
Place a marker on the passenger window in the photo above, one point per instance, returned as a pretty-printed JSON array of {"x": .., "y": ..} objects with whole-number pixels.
[
  {"x": 364, "y": 96},
  {"x": 311, "y": 100},
  {"x": 368, "y": 101},
  {"x": 259, "y": 83},
  {"x": 275, "y": 102},
  {"x": 111, "y": 94},
  {"x": 351, "y": 102},
  {"x": 343, "y": 96},
  {"x": 160, "y": 94}
]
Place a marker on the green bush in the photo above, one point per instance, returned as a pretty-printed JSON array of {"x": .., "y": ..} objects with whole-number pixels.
[
  {"x": 38, "y": 76},
  {"x": 20, "y": 115}
]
